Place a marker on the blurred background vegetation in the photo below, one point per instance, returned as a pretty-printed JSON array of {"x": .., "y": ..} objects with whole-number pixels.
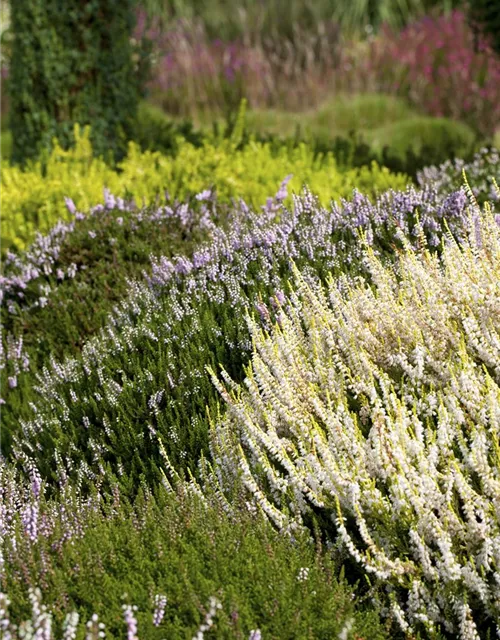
[{"x": 408, "y": 82}]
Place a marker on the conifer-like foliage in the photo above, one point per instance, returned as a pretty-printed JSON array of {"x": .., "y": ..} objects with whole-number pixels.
[{"x": 72, "y": 63}]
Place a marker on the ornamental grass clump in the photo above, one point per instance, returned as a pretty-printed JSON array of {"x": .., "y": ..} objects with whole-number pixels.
[{"x": 374, "y": 407}]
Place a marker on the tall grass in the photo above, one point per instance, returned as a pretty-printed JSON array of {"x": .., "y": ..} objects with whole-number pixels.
[{"x": 227, "y": 20}]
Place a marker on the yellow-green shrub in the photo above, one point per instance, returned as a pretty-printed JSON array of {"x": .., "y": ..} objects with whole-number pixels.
[{"x": 33, "y": 200}]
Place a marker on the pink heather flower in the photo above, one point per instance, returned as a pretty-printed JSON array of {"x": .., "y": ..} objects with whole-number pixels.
[
  {"x": 159, "y": 612},
  {"x": 130, "y": 621},
  {"x": 70, "y": 205}
]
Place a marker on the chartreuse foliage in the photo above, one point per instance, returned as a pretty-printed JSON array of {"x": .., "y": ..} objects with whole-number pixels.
[
  {"x": 33, "y": 199},
  {"x": 73, "y": 63}
]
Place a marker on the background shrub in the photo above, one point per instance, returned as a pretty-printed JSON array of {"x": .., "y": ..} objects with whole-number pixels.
[
  {"x": 433, "y": 139},
  {"x": 34, "y": 197},
  {"x": 71, "y": 66}
]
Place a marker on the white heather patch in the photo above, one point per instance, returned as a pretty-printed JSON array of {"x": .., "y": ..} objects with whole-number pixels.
[{"x": 381, "y": 401}]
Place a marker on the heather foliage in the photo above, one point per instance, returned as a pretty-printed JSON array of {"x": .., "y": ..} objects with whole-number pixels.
[
  {"x": 375, "y": 405},
  {"x": 162, "y": 561},
  {"x": 60, "y": 292},
  {"x": 480, "y": 172},
  {"x": 33, "y": 199},
  {"x": 229, "y": 415},
  {"x": 95, "y": 423},
  {"x": 147, "y": 366}
]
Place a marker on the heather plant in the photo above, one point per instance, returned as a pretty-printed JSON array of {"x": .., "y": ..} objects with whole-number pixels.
[
  {"x": 172, "y": 565},
  {"x": 146, "y": 367},
  {"x": 438, "y": 64},
  {"x": 481, "y": 172},
  {"x": 60, "y": 292},
  {"x": 33, "y": 199},
  {"x": 373, "y": 406}
]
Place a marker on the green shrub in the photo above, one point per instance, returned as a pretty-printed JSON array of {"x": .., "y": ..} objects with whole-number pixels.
[
  {"x": 106, "y": 251},
  {"x": 154, "y": 131},
  {"x": 189, "y": 550},
  {"x": 437, "y": 139},
  {"x": 361, "y": 112},
  {"x": 5, "y": 145},
  {"x": 73, "y": 65},
  {"x": 363, "y": 128}
]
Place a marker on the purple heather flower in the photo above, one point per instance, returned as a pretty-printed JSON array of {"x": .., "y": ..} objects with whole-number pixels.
[
  {"x": 183, "y": 266},
  {"x": 283, "y": 191},
  {"x": 263, "y": 310},
  {"x": 204, "y": 195},
  {"x": 109, "y": 199},
  {"x": 130, "y": 621},
  {"x": 70, "y": 205},
  {"x": 159, "y": 612}
]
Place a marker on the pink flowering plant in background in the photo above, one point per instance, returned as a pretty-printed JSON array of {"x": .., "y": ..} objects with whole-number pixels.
[{"x": 439, "y": 64}]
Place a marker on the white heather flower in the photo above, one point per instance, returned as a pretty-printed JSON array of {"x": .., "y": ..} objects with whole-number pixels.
[{"x": 416, "y": 352}]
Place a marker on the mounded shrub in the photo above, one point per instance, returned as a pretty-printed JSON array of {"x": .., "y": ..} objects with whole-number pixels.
[
  {"x": 436, "y": 139},
  {"x": 147, "y": 366},
  {"x": 94, "y": 557}
]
